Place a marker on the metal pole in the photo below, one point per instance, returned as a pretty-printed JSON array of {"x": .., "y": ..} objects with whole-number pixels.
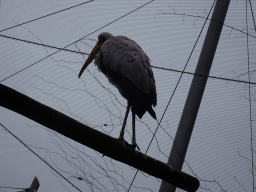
[{"x": 196, "y": 91}]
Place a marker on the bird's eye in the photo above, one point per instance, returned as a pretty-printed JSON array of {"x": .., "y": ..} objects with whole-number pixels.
[{"x": 102, "y": 39}]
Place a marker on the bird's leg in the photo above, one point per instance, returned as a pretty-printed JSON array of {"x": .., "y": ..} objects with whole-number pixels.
[
  {"x": 121, "y": 137},
  {"x": 134, "y": 144}
]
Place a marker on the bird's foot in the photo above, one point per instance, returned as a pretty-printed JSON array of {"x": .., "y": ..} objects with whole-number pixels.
[
  {"x": 134, "y": 145},
  {"x": 122, "y": 140}
]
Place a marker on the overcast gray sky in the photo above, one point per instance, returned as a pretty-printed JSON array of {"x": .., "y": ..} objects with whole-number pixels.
[{"x": 219, "y": 154}]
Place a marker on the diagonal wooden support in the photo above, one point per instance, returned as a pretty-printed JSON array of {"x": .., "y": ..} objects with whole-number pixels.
[{"x": 94, "y": 139}]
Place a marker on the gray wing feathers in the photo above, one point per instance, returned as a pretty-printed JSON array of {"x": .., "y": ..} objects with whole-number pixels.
[{"x": 124, "y": 55}]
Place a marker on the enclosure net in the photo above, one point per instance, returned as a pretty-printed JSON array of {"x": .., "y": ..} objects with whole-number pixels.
[{"x": 45, "y": 43}]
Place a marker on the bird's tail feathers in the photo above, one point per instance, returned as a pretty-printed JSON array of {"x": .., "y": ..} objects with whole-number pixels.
[{"x": 152, "y": 112}]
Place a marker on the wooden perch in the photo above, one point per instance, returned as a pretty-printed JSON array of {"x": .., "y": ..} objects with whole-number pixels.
[{"x": 94, "y": 139}]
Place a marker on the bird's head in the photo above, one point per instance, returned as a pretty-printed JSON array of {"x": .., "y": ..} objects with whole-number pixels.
[{"x": 101, "y": 39}]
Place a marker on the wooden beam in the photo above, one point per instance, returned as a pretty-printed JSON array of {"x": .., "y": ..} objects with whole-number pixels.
[{"x": 94, "y": 139}]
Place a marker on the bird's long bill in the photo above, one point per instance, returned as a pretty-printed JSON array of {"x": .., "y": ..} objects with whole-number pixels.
[{"x": 92, "y": 55}]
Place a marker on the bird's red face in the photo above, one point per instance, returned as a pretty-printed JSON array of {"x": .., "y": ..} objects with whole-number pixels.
[
  {"x": 92, "y": 55},
  {"x": 102, "y": 39}
]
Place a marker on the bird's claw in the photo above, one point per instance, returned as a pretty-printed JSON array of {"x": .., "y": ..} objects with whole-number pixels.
[
  {"x": 123, "y": 141},
  {"x": 134, "y": 146},
  {"x": 130, "y": 145}
]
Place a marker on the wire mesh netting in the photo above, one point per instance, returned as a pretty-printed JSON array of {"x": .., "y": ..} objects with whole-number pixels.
[{"x": 44, "y": 45}]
